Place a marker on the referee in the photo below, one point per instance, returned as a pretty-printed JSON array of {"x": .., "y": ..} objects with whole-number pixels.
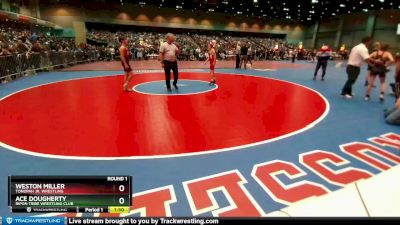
[
  {"x": 358, "y": 55},
  {"x": 168, "y": 58}
]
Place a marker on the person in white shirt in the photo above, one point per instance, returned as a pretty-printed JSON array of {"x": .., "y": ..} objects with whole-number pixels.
[
  {"x": 358, "y": 55},
  {"x": 112, "y": 53},
  {"x": 168, "y": 58}
]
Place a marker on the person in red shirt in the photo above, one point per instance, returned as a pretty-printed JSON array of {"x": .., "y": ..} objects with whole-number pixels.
[
  {"x": 125, "y": 56},
  {"x": 323, "y": 56},
  {"x": 212, "y": 58}
]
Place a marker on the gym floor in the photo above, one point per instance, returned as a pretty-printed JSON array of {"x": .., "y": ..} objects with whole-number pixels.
[{"x": 201, "y": 144}]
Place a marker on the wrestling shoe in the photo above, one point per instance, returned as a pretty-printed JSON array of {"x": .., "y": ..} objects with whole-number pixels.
[{"x": 382, "y": 97}]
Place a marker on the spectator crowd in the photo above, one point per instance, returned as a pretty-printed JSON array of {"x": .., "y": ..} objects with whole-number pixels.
[
  {"x": 20, "y": 38},
  {"x": 145, "y": 45},
  {"x": 26, "y": 48}
]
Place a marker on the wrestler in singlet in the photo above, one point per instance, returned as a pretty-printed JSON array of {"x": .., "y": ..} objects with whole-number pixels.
[
  {"x": 377, "y": 48},
  {"x": 212, "y": 57},
  {"x": 383, "y": 59},
  {"x": 213, "y": 60},
  {"x": 379, "y": 68},
  {"x": 125, "y": 56}
]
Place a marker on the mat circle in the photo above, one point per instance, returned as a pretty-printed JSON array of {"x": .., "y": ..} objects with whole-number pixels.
[{"x": 93, "y": 119}]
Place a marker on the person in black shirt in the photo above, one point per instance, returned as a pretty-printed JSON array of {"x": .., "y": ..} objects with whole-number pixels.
[
  {"x": 243, "y": 56},
  {"x": 238, "y": 48}
]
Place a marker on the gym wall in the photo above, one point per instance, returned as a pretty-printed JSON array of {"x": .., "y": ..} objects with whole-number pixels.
[
  {"x": 153, "y": 16},
  {"x": 381, "y": 25}
]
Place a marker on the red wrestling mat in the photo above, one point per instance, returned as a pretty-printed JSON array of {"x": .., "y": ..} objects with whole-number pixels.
[{"x": 93, "y": 117}]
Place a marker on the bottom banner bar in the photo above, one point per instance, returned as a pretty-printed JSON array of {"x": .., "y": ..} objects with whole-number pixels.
[
  {"x": 139, "y": 221},
  {"x": 177, "y": 220}
]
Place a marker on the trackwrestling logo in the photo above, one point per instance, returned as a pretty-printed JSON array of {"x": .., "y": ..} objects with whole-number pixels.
[
  {"x": 282, "y": 181},
  {"x": 33, "y": 221}
]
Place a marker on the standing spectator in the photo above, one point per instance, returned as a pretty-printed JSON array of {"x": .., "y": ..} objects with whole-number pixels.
[
  {"x": 313, "y": 54},
  {"x": 34, "y": 37},
  {"x": 323, "y": 55},
  {"x": 21, "y": 46},
  {"x": 139, "y": 53},
  {"x": 238, "y": 49},
  {"x": 36, "y": 47},
  {"x": 249, "y": 55},
  {"x": 112, "y": 53},
  {"x": 293, "y": 54},
  {"x": 243, "y": 56},
  {"x": 33, "y": 55},
  {"x": 198, "y": 52}
]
